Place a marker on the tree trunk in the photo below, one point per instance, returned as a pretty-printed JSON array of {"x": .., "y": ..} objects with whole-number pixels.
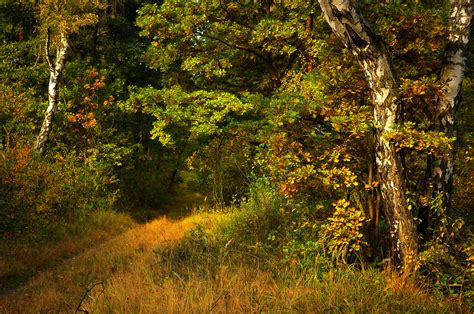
[
  {"x": 349, "y": 25},
  {"x": 308, "y": 30},
  {"x": 53, "y": 90},
  {"x": 440, "y": 168}
]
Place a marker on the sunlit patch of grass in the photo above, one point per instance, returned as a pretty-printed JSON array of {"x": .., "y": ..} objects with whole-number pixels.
[
  {"x": 247, "y": 289},
  {"x": 61, "y": 289},
  {"x": 153, "y": 269},
  {"x": 21, "y": 258}
]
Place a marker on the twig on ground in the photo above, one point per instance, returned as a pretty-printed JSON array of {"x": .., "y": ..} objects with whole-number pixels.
[{"x": 89, "y": 289}]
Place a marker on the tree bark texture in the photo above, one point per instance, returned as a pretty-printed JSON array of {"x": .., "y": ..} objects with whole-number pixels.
[
  {"x": 55, "y": 72},
  {"x": 350, "y": 26},
  {"x": 451, "y": 77}
]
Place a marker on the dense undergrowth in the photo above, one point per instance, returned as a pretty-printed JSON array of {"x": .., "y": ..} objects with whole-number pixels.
[
  {"x": 51, "y": 209},
  {"x": 266, "y": 252},
  {"x": 257, "y": 256},
  {"x": 263, "y": 255}
]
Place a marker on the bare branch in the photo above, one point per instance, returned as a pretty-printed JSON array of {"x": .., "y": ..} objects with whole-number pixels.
[{"x": 86, "y": 294}]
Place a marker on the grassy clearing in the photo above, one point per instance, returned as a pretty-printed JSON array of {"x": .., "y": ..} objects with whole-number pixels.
[
  {"x": 60, "y": 289},
  {"x": 20, "y": 259},
  {"x": 153, "y": 268}
]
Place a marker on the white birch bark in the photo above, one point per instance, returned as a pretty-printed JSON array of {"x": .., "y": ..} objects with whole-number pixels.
[
  {"x": 451, "y": 77},
  {"x": 55, "y": 72},
  {"x": 349, "y": 25}
]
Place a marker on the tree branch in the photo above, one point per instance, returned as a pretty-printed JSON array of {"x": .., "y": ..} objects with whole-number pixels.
[
  {"x": 233, "y": 19},
  {"x": 48, "y": 40},
  {"x": 87, "y": 294},
  {"x": 256, "y": 53}
]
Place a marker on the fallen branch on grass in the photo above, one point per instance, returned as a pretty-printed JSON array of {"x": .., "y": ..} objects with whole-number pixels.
[{"x": 89, "y": 289}]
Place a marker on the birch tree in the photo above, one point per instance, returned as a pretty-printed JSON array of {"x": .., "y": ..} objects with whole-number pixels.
[
  {"x": 55, "y": 71},
  {"x": 373, "y": 56},
  {"x": 441, "y": 167},
  {"x": 59, "y": 20}
]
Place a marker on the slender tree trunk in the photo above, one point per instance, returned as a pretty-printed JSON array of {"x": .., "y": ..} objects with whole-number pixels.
[
  {"x": 440, "y": 168},
  {"x": 349, "y": 25},
  {"x": 308, "y": 30},
  {"x": 55, "y": 72},
  {"x": 95, "y": 39}
]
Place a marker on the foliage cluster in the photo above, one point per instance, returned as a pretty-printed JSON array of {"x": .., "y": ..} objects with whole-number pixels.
[
  {"x": 97, "y": 149},
  {"x": 36, "y": 193},
  {"x": 253, "y": 104}
]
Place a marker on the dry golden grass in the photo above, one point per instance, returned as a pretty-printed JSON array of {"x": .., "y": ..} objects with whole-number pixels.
[
  {"x": 138, "y": 273},
  {"x": 246, "y": 290},
  {"x": 22, "y": 258},
  {"x": 61, "y": 289}
]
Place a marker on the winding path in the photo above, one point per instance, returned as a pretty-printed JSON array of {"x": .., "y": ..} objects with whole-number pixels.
[{"x": 61, "y": 289}]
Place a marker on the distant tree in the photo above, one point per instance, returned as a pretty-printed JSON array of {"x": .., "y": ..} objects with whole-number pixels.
[{"x": 60, "y": 19}]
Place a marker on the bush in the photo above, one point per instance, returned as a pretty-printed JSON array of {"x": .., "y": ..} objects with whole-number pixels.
[{"x": 36, "y": 192}]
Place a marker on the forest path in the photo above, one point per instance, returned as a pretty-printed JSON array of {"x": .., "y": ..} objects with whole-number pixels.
[{"x": 61, "y": 289}]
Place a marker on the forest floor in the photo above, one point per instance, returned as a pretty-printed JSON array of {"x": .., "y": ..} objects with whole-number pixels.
[
  {"x": 53, "y": 275},
  {"x": 149, "y": 269},
  {"x": 63, "y": 287}
]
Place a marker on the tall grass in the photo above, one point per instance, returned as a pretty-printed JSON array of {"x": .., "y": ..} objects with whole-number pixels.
[
  {"x": 196, "y": 265},
  {"x": 202, "y": 274}
]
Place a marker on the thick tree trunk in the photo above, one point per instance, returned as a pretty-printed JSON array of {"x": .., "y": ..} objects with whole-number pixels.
[
  {"x": 53, "y": 90},
  {"x": 349, "y": 25},
  {"x": 441, "y": 167}
]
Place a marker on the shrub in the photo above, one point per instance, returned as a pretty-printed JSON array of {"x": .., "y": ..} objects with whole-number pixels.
[
  {"x": 36, "y": 192},
  {"x": 343, "y": 235}
]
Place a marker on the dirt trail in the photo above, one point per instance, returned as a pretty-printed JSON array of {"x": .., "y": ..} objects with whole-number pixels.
[{"x": 62, "y": 288}]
